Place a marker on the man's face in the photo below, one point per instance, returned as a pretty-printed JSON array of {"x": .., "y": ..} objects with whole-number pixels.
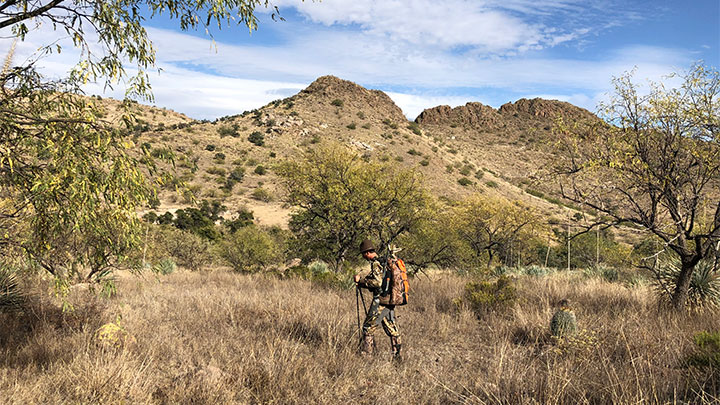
[{"x": 368, "y": 255}]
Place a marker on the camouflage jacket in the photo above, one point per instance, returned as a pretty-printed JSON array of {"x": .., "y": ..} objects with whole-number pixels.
[{"x": 372, "y": 279}]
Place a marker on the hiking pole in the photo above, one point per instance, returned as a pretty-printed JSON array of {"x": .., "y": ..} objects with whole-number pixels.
[{"x": 357, "y": 308}]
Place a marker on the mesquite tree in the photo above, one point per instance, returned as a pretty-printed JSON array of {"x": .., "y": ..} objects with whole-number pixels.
[{"x": 655, "y": 163}]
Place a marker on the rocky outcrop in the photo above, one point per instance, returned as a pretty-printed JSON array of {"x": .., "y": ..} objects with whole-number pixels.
[
  {"x": 473, "y": 114},
  {"x": 477, "y": 115},
  {"x": 541, "y": 108}
]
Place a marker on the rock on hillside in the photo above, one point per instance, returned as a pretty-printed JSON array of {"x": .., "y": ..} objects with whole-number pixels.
[
  {"x": 541, "y": 108},
  {"x": 477, "y": 115}
]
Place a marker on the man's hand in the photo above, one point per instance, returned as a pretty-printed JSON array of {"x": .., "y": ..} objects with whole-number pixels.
[{"x": 356, "y": 278}]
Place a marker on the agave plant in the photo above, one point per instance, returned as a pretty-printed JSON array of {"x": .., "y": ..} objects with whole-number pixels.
[
  {"x": 704, "y": 287},
  {"x": 10, "y": 296}
]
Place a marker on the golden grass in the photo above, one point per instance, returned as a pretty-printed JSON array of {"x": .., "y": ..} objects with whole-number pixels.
[{"x": 220, "y": 337}]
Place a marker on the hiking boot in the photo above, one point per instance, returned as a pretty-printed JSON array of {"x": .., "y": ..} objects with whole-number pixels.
[{"x": 367, "y": 345}]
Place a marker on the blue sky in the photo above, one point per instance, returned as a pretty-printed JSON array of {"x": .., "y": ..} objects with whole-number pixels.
[{"x": 425, "y": 53}]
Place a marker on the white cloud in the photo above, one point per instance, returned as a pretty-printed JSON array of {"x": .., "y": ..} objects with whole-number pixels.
[
  {"x": 412, "y": 104},
  {"x": 401, "y": 45}
]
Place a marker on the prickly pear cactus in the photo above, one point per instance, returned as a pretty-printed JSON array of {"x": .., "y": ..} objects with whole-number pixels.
[{"x": 563, "y": 323}]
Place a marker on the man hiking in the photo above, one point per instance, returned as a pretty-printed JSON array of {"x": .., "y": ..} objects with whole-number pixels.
[{"x": 377, "y": 313}]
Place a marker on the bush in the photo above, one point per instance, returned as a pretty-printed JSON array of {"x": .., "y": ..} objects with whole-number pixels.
[
  {"x": 257, "y": 138},
  {"x": 536, "y": 271},
  {"x": 352, "y": 125},
  {"x": 189, "y": 250},
  {"x": 485, "y": 296},
  {"x": 413, "y": 152},
  {"x": 164, "y": 267},
  {"x": 491, "y": 184},
  {"x": 424, "y": 162},
  {"x": 609, "y": 274},
  {"x": 415, "y": 128},
  {"x": 218, "y": 171},
  {"x": 337, "y": 102},
  {"x": 464, "y": 181},
  {"x": 210, "y": 147},
  {"x": 224, "y": 131},
  {"x": 262, "y": 194},
  {"x": 704, "y": 287},
  {"x": 260, "y": 169},
  {"x": 707, "y": 354},
  {"x": 250, "y": 249},
  {"x": 10, "y": 297}
]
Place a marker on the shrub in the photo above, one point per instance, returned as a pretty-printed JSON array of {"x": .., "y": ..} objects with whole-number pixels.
[
  {"x": 361, "y": 115},
  {"x": 10, "y": 297},
  {"x": 262, "y": 194},
  {"x": 707, "y": 354},
  {"x": 537, "y": 271},
  {"x": 491, "y": 184},
  {"x": 415, "y": 128},
  {"x": 366, "y": 126},
  {"x": 413, "y": 152},
  {"x": 250, "y": 249},
  {"x": 164, "y": 267},
  {"x": 218, "y": 171},
  {"x": 227, "y": 130},
  {"x": 424, "y": 162},
  {"x": 260, "y": 169},
  {"x": 210, "y": 147},
  {"x": 485, "y": 296},
  {"x": 244, "y": 218},
  {"x": 704, "y": 287},
  {"x": 352, "y": 125},
  {"x": 337, "y": 102},
  {"x": 609, "y": 274},
  {"x": 189, "y": 250},
  {"x": 257, "y": 138},
  {"x": 464, "y": 181},
  {"x": 318, "y": 267}
]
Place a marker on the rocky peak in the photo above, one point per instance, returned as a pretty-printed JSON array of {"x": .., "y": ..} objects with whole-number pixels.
[
  {"x": 473, "y": 114},
  {"x": 541, "y": 108},
  {"x": 327, "y": 89}
]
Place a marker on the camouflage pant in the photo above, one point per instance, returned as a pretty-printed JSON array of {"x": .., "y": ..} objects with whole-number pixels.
[{"x": 378, "y": 314}]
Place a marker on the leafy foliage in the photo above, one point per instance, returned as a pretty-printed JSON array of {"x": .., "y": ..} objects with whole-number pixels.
[
  {"x": 492, "y": 226},
  {"x": 69, "y": 184},
  {"x": 707, "y": 354},
  {"x": 484, "y": 296},
  {"x": 656, "y": 165},
  {"x": 342, "y": 199},
  {"x": 250, "y": 249}
]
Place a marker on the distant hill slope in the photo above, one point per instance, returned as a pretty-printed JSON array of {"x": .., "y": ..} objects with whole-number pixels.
[{"x": 496, "y": 150}]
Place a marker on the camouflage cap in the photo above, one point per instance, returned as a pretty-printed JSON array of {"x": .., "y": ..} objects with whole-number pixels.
[{"x": 366, "y": 246}]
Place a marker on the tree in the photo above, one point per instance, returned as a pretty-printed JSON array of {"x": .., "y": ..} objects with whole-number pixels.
[
  {"x": 70, "y": 184},
  {"x": 492, "y": 225},
  {"x": 655, "y": 164},
  {"x": 110, "y": 32},
  {"x": 342, "y": 199}
]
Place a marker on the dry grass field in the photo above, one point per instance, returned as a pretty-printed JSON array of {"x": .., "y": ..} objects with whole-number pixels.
[{"x": 221, "y": 337}]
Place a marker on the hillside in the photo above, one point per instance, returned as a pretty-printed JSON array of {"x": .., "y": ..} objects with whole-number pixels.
[{"x": 497, "y": 150}]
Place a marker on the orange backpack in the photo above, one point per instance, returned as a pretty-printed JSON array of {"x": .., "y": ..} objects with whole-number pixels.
[{"x": 396, "y": 283}]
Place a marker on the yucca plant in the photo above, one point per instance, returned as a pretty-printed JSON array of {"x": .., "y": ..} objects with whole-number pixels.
[
  {"x": 164, "y": 267},
  {"x": 704, "y": 287},
  {"x": 10, "y": 296}
]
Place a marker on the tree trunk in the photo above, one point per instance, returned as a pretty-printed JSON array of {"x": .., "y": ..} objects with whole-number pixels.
[{"x": 682, "y": 284}]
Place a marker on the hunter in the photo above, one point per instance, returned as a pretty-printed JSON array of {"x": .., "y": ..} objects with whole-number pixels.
[{"x": 377, "y": 313}]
